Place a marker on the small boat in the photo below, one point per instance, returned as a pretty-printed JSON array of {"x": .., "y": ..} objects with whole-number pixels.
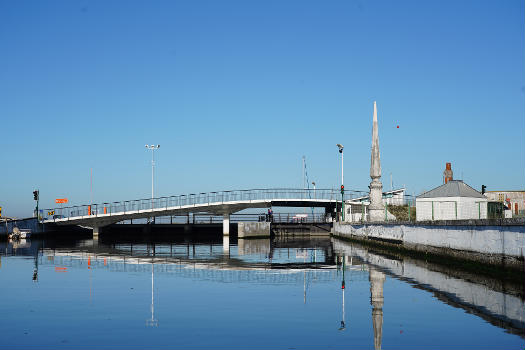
[
  {"x": 19, "y": 233},
  {"x": 25, "y": 233}
]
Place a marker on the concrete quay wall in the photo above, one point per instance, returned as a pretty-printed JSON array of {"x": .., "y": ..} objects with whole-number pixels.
[
  {"x": 253, "y": 229},
  {"x": 498, "y": 245}
]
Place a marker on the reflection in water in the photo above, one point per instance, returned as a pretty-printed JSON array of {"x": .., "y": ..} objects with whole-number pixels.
[
  {"x": 35, "y": 269},
  {"x": 498, "y": 302},
  {"x": 226, "y": 244},
  {"x": 152, "y": 322},
  {"x": 377, "y": 279},
  {"x": 254, "y": 246},
  {"x": 343, "y": 287},
  {"x": 282, "y": 264}
]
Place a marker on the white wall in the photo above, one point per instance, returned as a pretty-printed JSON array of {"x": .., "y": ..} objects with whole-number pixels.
[
  {"x": 354, "y": 212},
  {"x": 451, "y": 208},
  {"x": 472, "y": 208},
  {"x": 504, "y": 240},
  {"x": 397, "y": 198},
  {"x": 253, "y": 229}
]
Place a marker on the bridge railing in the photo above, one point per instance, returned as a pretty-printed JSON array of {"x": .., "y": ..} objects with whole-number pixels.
[{"x": 137, "y": 205}]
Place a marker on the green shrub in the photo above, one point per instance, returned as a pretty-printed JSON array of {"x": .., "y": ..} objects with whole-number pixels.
[{"x": 401, "y": 212}]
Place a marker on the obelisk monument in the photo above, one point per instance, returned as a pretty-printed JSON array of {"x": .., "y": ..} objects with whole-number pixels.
[
  {"x": 377, "y": 280},
  {"x": 376, "y": 210}
]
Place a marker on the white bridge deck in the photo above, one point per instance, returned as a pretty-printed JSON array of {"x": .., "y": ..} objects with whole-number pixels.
[{"x": 220, "y": 203}]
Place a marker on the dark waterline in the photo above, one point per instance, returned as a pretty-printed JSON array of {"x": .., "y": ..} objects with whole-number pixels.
[{"x": 191, "y": 291}]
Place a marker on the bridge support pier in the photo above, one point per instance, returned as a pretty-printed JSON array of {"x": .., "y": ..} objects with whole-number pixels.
[
  {"x": 226, "y": 224},
  {"x": 96, "y": 231}
]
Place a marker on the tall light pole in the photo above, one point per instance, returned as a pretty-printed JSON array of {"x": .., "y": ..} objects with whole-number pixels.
[
  {"x": 152, "y": 148},
  {"x": 341, "y": 147}
]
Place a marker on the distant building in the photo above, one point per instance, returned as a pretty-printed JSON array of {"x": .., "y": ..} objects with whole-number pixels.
[
  {"x": 454, "y": 200},
  {"x": 357, "y": 208},
  {"x": 513, "y": 200}
]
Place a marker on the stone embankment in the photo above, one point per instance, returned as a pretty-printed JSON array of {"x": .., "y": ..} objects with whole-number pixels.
[
  {"x": 253, "y": 229},
  {"x": 478, "y": 240}
]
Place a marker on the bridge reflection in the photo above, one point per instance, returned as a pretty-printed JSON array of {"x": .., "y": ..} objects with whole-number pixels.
[
  {"x": 205, "y": 260},
  {"x": 287, "y": 260}
]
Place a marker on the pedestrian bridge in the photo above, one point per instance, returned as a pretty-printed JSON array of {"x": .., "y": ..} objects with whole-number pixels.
[{"x": 219, "y": 203}]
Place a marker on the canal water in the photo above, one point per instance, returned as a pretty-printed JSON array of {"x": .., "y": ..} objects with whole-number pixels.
[{"x": 284, "y": 293}]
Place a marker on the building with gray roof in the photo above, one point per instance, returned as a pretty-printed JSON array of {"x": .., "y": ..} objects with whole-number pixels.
[{"x": 454, "y": 200}]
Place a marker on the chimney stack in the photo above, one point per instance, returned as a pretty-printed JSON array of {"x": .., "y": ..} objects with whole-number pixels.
[{"x": 448, "y": 174}]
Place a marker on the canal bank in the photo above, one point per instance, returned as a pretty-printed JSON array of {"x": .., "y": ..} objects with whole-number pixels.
[{"x": 500, "y": 244}]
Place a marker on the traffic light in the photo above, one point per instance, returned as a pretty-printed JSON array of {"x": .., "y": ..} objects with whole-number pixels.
[
  {"x": 0, "y": 212},
  {"x": 483, "y": 188},
  {"x": 342, "y": 188},
  {"x": 35, "y": 195}
]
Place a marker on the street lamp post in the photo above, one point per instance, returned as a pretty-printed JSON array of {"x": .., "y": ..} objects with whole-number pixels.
[
  {"x": 152, "y": 148},
  {"x": 341, "y": 147}
]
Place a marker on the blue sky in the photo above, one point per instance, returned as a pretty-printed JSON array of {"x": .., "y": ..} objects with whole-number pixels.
[{"x": 236, "y": 92}]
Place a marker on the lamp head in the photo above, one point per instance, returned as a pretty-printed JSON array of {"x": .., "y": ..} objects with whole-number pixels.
[{"x": 340, "y": 147}]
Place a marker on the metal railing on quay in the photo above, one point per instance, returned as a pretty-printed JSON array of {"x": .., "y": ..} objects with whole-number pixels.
[{"x": 396, "y": 209}]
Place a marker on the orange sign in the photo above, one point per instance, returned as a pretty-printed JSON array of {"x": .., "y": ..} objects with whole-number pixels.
[{"x": 61, "y": 200}]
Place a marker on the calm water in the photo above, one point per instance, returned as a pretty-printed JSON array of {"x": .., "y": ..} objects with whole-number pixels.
[{"x": 284, "y": 293}]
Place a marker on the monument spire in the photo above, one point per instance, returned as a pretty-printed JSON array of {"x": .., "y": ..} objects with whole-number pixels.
[
  {"x": 376, "y": 210},
  {"x": 375, "y": 163}
]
